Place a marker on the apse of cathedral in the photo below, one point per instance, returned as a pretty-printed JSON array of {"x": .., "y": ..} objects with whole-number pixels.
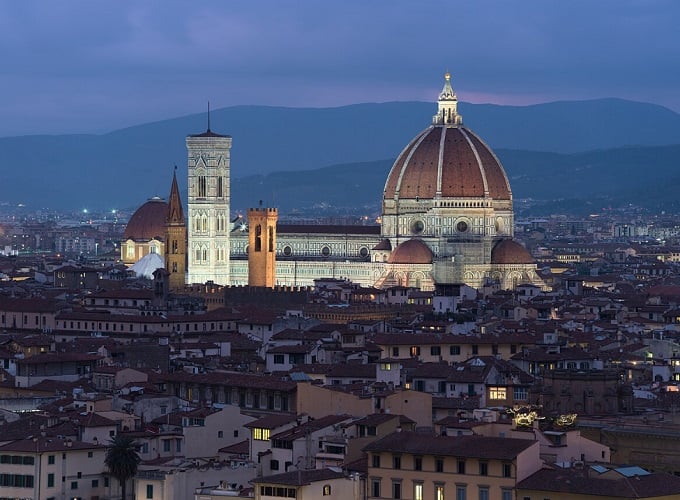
[{"x": 447, "y": 218}]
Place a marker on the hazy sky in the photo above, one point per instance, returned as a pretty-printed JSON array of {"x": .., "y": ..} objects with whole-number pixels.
[{"x": 92, "y": 66}]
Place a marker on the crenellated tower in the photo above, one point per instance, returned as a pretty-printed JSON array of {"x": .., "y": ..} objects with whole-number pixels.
[{"x": 262, "y": 246}]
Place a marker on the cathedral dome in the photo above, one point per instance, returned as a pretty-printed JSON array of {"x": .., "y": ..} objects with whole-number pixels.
[
  {"x": 447, "y": 160},
  {"x": 148, "y": 221},
  {"x": 510, "y": 252},
  {"x": 411, "y": 252}
]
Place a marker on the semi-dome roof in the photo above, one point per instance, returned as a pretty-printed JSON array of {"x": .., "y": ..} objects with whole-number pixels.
[
  {"x": 411, "y": 252},
  {"x": 148, "y": 221},
  {"x": 447, "y": 160},
  {"x": 510, "y": 252}
]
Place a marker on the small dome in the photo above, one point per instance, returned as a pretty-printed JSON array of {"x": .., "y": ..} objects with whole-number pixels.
[
  {"x": 411, "y": 252},
  {"x": 510, "y": 252},
  {"x": 383, "y": 245},
  {"x": 148, "y": 221}
]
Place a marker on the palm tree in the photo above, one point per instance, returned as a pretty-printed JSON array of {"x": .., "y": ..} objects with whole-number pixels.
[{"x": 122, "y": 459}]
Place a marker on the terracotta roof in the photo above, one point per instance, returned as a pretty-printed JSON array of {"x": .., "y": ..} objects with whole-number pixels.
[
  {"x": 231, "y": 379},
  {"x": 148, "y": 221},
  {"x": 462, "y": 446},
  {"x": 326, "y": 229},
  {"x": 578, "y": 482},
  {"x": 411, "y": 252},
  {"x": 510, "y": 252},
  {"x": 300, "y": 478},
  {"x": 271, "y": 421},
  {"x": 46, "y": 444},
  {"x": 466, "y": 166},
  {"x": 241, "y": 448}
]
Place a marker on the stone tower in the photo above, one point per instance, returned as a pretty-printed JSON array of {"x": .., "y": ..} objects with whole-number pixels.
[
  {"x": 175, "y": 239},
  {"x": 208, "y": 218},
  {"x": 262, "y": 246}
]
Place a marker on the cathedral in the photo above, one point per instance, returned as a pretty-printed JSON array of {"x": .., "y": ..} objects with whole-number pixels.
[{"x": 447, "y": 218}]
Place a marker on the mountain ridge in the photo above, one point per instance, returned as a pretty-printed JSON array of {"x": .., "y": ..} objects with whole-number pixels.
[{"x": 126, "y": 166}]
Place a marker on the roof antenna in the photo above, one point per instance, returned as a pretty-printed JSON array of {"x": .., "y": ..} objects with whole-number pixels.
[{"x": 208, "y": 116}]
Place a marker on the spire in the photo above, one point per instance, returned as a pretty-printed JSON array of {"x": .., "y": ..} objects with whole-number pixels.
[
  {"x": 175, "y": 211},
  {"x": 208, "y": 121},
  {"x": 447, "y": 113}
]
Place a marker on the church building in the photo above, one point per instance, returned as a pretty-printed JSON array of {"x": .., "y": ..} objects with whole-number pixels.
[{"x": 447, "y": 218}]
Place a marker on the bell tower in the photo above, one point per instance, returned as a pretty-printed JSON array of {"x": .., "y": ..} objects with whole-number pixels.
[
  {"x": 208, "y": 161},
  {"x": 175, "y": 239},
  {"x": 262, "y": 246}
]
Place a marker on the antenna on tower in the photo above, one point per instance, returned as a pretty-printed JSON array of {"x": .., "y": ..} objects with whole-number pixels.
[{"x": 208, "y": 116}]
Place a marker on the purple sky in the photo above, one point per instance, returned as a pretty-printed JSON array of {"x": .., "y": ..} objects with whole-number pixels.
[{"x": 94, "y": 66}]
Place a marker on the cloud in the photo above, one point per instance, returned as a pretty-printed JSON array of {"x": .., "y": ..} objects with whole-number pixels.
[{"x": 93, "y": 65}]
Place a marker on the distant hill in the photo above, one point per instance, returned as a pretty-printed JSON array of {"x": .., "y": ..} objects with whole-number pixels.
[
  {"x": 125, "y": 167},
  {"x": 580, "y": 182}
]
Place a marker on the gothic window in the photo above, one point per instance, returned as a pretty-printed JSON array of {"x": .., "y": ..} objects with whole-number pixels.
[
  {"x": 258, "y": 238},
  {"x": 271, "y": 239},
  {"x": 174, "y": 267},
  {"x": 220, "y": 193},
  {"x": 205, "y": 254},
  {"x": 174, "y": 246},
  {"x": 198, "y": 255},
  {"x": 202, "y": 186}
]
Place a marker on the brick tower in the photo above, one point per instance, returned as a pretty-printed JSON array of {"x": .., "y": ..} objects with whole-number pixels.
[
  {"x": 262, "y": 246},
  {"x": 175, "y": 239}
]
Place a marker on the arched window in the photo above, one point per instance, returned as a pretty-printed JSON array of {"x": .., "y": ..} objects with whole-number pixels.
[
  {"x": 258, "y": 238},
  {"x": 202, "y": 186},
  {"x": 220, "y": 192}
]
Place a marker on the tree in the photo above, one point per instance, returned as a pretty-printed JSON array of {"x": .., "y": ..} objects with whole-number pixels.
[{"x": 122, "y": 459}]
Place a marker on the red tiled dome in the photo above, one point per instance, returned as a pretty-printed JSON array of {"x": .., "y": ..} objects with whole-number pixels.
[
  {"x": 451, "y": 160},
  {"x": 148, "y": 221},
  {"x": 411, "y": 252},
  {"x": 510, "y": 252}
]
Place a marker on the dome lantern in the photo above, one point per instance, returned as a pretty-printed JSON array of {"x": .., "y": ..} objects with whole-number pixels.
[{"x": 447, "y": 114}]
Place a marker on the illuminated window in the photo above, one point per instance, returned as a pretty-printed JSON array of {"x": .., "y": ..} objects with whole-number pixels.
[
  {"x": 415, "y": 350},
  {"x": 439, "y": 492},
  {"x": 261, "y": 434},
  {"x": 497, "y": 393},
  {"x": 418, "y": 491},
  {"x": 326, "y": 489}
]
